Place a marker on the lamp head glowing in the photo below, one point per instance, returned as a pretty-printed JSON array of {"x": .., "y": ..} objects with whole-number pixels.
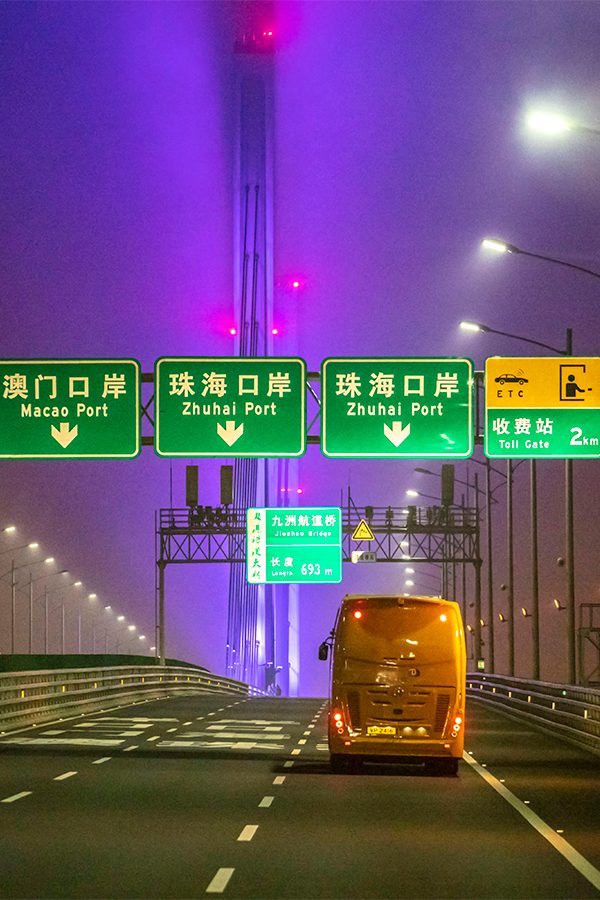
[
  {"x": 548, "y": 123},
  {"x": 471, "y": 326},
  {"x": 495, "y": 245},
  {"x": 412, "y": 493}
]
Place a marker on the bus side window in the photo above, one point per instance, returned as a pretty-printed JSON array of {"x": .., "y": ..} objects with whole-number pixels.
[{"x": 323, "y": 650}]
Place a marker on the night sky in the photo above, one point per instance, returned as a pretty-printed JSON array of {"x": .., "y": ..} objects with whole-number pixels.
[{"x": 399, "y": 143}]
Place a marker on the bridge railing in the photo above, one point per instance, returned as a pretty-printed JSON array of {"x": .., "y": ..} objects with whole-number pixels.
[
  {"x": 568, "y": 711},
  {"x": 42, "y": 695}
]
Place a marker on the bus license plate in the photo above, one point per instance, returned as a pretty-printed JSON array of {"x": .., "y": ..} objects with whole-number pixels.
[{"x": 381, "y": 730}]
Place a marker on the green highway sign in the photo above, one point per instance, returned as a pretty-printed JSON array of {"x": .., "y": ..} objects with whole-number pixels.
[
  {"x": 69, "y": 409},
  {"x": 294, "y": 546},
  {"x": 542, "y": 407},
  {"x": 230, "y": 406},
  {"x": 413, "y": 408}
]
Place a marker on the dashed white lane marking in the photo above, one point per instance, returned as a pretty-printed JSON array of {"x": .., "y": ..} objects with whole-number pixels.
[
  {"x": 155, "y": 738},
  {"x": 579, "y": 862},
  {"x": 279, "y": 779},
  {"x": 302, "y": 741},
  {"x": 16, "y": 797},
  {"x": 266, "y": 802},
  {"x": 132, "y": 747},
  {"x": 288, "y": 763},
  {"x": 220, "y": 881},
  {"x": 187, "y": 723},
  {"x": 247, "y": 832},
  {"x": 305, "y": 733},
  {"x": 103, "y": 759},
  {"x": 296, "y": 751},
  {"x": 169, "y": 730},
  {"x": 64, "y": 776}
]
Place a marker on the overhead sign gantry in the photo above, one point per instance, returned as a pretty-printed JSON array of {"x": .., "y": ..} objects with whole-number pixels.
[
  {"x": 414, "y": 408},
  {"x": 542, "y": 407},
  {"x": 294, "y": 546},
  {"x": 69, "y": 409},
  {"x": 230, "y": 406}
]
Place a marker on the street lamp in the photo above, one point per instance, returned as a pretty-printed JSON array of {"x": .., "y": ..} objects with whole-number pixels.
[
  {"x": 47, "y": 595},
  {"x": 32, "y": 581},
  {"x": 496, "y": 245},
  {"x": 13, "y": 587},
  {"x": 569, "y": 513}
]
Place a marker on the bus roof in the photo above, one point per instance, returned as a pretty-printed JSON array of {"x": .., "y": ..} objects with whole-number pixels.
[{"x": 349, "y": 598}]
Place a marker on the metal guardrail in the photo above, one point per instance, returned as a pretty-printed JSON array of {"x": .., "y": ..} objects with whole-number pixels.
[
  {"x": 567, "y": 711},
  {"x": 38, "y": 696}
]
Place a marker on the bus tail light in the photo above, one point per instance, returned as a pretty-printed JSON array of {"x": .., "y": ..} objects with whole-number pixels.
[
  {"x": 456, "y": 725},
  {"x": 338, "y": 721}
]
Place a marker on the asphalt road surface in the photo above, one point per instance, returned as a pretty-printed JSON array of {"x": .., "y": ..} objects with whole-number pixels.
[{"x": 210, "y": 795}]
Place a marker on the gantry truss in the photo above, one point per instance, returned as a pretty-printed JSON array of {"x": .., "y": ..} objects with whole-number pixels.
[{"x": 429, "y": 535}]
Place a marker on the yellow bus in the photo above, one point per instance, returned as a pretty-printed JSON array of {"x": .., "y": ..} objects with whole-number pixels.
[{"x": 398, "y": 682}]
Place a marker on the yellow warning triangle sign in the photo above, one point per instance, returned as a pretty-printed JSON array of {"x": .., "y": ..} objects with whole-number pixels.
[{"x": 363, "y": 532}]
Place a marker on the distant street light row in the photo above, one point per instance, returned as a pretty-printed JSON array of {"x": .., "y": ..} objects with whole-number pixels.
[{"x": 49, "y": 561}]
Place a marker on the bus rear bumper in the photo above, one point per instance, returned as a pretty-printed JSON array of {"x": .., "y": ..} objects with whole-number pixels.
[{"x": 401, "y": 750}]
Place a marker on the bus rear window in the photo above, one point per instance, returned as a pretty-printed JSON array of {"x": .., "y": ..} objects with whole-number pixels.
[{"x": 378, "y": 628}]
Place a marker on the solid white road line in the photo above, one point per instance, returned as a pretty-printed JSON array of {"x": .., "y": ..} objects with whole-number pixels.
[
  {"x": 103, "y": 759},
  {"x": 16, "y": 797},
  {"x": 265, "y": 802},
  {"x": 579, "y": 862},
  {"x": 279, "y": 779},
  {"x": 248, "y": 832},
  {"x": 220, "y": 881},
  {"x": 64, "y": 775}
]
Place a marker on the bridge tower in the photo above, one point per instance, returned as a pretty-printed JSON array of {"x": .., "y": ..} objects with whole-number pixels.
[{"x": 257, "y": 644}]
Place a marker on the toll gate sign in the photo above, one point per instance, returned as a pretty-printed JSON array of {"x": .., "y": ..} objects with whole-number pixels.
[
  {"x": 69, "y": 409},
  {"x": 413, "y": 408},
  {"x": 230, "y": 406},
  {"x": 542, "y": 407},
  {"x": 294, "y": 546}
]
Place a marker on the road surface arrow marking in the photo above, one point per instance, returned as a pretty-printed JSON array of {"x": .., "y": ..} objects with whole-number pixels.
[
  {"x": 396, "y": 434},
  {"x": 64, "y": 435},
  {"x": 230, "y": 433}
]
